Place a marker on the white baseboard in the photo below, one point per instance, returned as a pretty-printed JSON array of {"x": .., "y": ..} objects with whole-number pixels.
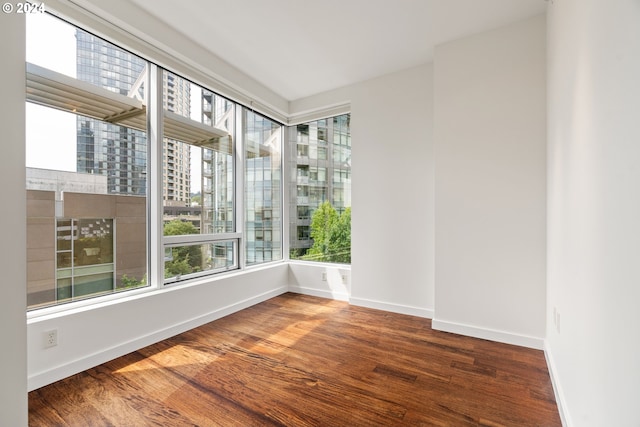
[
  {"x": 557, "y": 389},
  {"x": 321, "y": 293},
  {"x": 41, "y": 379},
  {"x": 394, "y": 308},
  {"x": 489, "y": 334}
]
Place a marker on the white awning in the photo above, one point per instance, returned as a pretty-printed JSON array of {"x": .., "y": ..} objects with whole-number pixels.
[{"x": 55, "y": 90}]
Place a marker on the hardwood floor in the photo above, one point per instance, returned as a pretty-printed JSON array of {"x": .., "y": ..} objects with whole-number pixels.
[{"x": 297, "y": 360}]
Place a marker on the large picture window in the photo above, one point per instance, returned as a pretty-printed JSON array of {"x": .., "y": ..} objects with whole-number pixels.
[
  {"x": 86, "y": 169},
  {"x": 263, "y": 188},
  {"x": 320, "y": 214},
  {"x": 138, "y": 177},
  {"x": 198, "y": 178}
]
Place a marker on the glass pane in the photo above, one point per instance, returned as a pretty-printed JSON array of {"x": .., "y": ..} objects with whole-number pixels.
[
  {"x": 86, "y": 178},
  {"x": 190, "y": 261},
  {"x": 263, "y": 178},
  {"x": 65, "y": 49},
  {"x": 320, "y": 215},
  {"x": 198, "y": 177}
]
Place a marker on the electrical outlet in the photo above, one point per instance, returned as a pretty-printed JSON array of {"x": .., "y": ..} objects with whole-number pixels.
[
  {"x": 51, "y": 338},
  {"x": 344, "y": 278},
  {"x": 324, "y": 276}
]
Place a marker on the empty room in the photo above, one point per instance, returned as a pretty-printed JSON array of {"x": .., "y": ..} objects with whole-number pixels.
[{"x": 320, "y": 213}]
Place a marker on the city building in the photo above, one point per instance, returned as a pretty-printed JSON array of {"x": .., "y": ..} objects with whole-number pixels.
[{"x": 118, "y": 152}]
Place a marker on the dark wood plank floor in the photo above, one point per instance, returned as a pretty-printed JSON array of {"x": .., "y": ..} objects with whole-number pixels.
[{"x": 297, "y": 360}]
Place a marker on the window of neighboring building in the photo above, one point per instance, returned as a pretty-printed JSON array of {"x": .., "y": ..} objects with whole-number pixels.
[
  {"x": 84, "y": 258},
  {"x": 320, "y": 215}
]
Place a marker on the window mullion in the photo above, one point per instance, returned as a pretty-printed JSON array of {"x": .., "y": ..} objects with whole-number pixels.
[
  {"x": 285, "y": 188},
  {"x": 239, "y": 159},
  {"x": 154, "y": 135}
]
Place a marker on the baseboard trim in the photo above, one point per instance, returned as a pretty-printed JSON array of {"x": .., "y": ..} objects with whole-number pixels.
[
  {"x": 488, "y": 334},
  {"x": 63, "y": 371},
  {"x": 394, "y": 308},
  {"x": 557, "y": 388}
]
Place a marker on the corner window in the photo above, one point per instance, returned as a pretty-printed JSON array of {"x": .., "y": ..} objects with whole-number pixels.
[{"x": 320, "y": 215}]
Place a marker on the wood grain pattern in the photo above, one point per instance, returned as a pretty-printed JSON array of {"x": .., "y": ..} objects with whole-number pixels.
[{"x": 297, "y": 360}]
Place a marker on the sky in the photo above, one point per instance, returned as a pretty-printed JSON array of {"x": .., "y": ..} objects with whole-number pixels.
[{"x": 51, "y": 136}]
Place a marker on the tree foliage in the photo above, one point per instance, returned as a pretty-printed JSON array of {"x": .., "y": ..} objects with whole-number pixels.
[
  {"x": 331, "y": 234},
  {"x": 339, "y": 247},
  {"x": 185, "y": 259}
]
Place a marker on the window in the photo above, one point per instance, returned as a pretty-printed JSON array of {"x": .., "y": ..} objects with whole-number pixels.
[
  {"x": 323, "y": 152},
  {"x": 321, "y": 213},
  {"x": 104, "y": 185},
  {"x": 86, "y": 177},
  {"x": 84, "y": 258},
  {"x": 263, "y": 188},
  {"x": 198, "y": 180}
]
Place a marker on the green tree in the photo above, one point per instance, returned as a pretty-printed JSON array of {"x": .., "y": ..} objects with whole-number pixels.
[
  {"x": 339, "y": 247},
  {"x": 178, "y": 227},
  {"x": 186, "y": 259},
  {"x": 331, "y": 234},
  {"x": 322, "y": 221}
]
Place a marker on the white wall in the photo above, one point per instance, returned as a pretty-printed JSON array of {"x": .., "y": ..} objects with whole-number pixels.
[
  {"x": 13, "y": 263},
  {"x": 323, "y": 280},
  {"x": 392, "y": 192},
  {"x": 490, "y": 184},
  {"x": 594, "y": 209},
  {"x": 96, "y": 334}
]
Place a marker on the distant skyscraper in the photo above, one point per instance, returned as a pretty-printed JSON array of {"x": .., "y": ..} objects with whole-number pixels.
[
  {"x": 176, "y": 167},
  {"x": 320, "y": 171},
  {"x": 120, "y": 152},
  {"x": 104, "y": 148}
]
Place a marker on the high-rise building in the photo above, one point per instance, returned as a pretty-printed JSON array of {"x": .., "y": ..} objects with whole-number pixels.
[
  {"x": 120, "y": 152},
  {"x": 320, "y": 172},
  {"x": 176, "y": 167},
  {"x": 105, "y": 148}
]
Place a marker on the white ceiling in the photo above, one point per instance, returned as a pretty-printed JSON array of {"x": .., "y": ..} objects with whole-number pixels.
[{"x": 298, "y": 48}]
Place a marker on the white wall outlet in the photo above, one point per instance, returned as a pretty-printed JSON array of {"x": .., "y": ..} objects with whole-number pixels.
[
  {"x": 324, "y": 276},
  {"x": 51, "y": 338},
  {"x": 344, "y": 278}
]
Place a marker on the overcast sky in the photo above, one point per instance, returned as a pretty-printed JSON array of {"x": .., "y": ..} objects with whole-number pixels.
[{"x": 50, "y": 134}]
